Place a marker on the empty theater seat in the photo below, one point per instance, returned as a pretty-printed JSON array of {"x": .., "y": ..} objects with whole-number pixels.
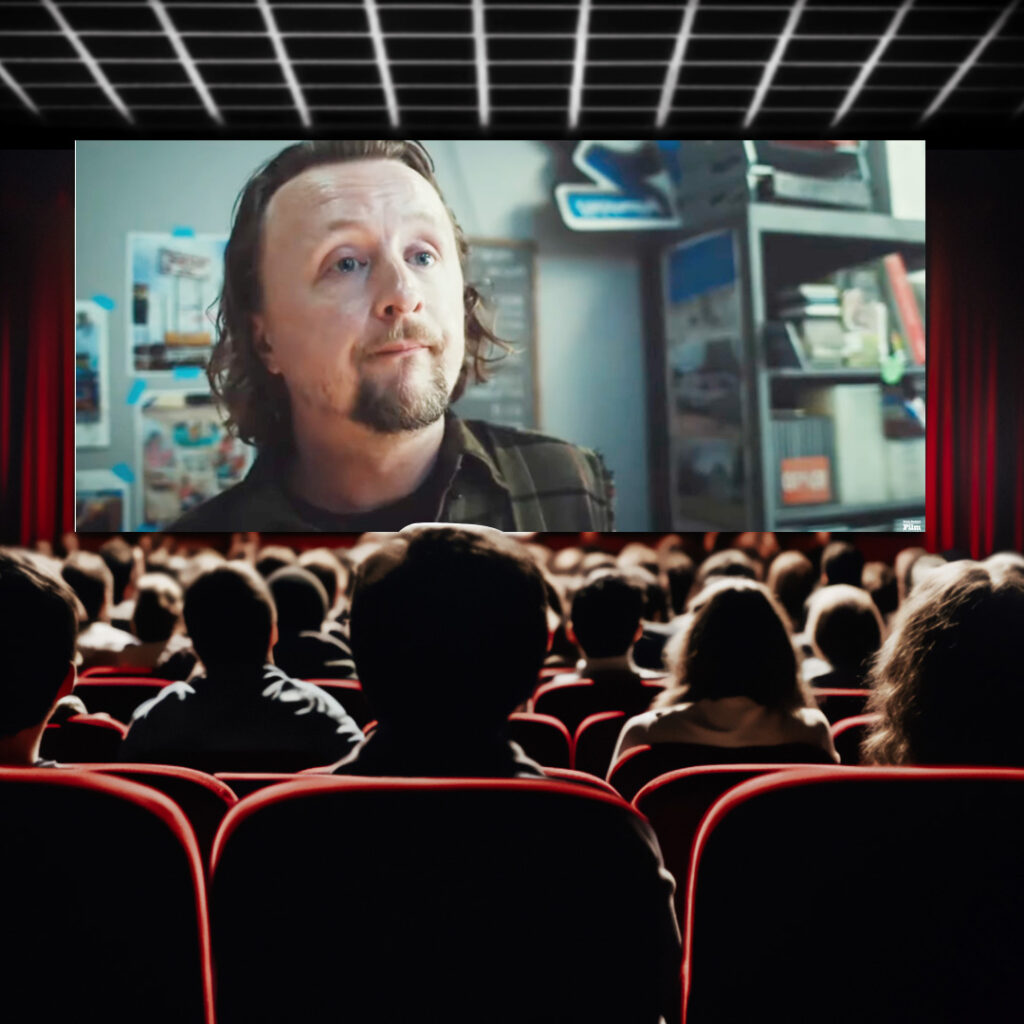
[
  {"x": 118, "y": 697},
  {"x": 572, "y": 702},
  {"x": 543, "y": 738},
  {"x": 859, "y": 894},
  {"x": 675, "y": 804},
  {"x": 461, "y": 900},
  {"x": 639, "y": 765},
  {"x": 104, "y": 902},
  {"x": 82, "y": 738}
]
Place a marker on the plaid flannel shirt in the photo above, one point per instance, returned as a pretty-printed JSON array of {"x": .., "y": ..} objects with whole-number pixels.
[{"x": 518, "y": 480}]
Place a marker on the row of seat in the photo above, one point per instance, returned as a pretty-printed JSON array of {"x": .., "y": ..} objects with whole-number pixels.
[{"x": 803, "y": 893}]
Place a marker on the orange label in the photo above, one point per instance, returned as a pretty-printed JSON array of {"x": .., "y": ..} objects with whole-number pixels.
[{"x": 806, "y": 480}]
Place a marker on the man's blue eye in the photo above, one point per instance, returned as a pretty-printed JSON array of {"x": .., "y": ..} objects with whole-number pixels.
[
  {"x": 425, "y": 259},
  {"x": 347, "y": 264}
]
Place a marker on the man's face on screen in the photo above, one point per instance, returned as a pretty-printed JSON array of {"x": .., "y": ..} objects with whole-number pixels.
[{"x": 363, "y": 312}]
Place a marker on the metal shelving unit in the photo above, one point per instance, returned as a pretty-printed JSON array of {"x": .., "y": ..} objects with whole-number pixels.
[{"x": 775, "y": 246}]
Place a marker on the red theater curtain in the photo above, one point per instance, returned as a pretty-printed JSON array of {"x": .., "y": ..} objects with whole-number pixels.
[
  {"x": 37, "y": 452},
  {"x": 976, "y": 352}
]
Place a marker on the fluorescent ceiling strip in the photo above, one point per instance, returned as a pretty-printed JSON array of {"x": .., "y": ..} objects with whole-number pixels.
[
  {"x": 480, "y": 50},
  {"x": 579, "y": 63},
  {"x": 89, "y": 61},
  {"x": 186, "y": 59},
  {"x": 5, "y": 77},
  {"x": 972, "y": 59},
  {"x": 285, "y": 62},
  {"x": 676, "y": 63},
  {"x": 773, "y": 63},
  {"x": 390, "y": 98},
  {"x": 871, "y": 63}
]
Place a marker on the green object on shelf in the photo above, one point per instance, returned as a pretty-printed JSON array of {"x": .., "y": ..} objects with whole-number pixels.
[{"x": 893, "y": 367}]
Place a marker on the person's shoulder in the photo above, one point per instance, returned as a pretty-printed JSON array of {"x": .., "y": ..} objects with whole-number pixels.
[
  {"x": 503, "y": 437},
  {"x": 538, "y": 467},
  {"x": 171, "y": 696}
]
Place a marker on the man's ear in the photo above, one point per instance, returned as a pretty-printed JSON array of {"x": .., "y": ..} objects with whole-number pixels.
[{"x": 262, "y": 345}]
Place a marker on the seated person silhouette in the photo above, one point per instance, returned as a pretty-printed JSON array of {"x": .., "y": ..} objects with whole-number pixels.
[
  {"x": 304, "y": 650},
  {"x": 40, "y": 622},
  {"x": 449, "y": 631},
  {"x": 949, "y": 681},
  {"x": 99, "y": 642},
  {"x": 845, "y": 629},
  {"x": 736, "y": 684},
  {"x": 156, "y": 621},
  {"x": 605, "y": 621},
  {"x": 241, "y": 712}
]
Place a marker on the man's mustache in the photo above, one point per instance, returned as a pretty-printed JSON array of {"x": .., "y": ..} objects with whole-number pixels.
[{"x": 418, "y": 333}]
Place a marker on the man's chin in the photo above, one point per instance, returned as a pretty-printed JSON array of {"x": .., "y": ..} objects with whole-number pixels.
[{"x": 394, "y": 413}]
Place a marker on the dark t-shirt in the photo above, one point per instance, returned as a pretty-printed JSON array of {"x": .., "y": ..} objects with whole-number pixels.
[{"x": 422, "y": 506}]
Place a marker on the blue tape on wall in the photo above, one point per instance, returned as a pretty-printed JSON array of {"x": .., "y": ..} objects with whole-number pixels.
[
  {"x": 187, "y": 372},
  {"x": 136, "y": 391},
  {"x": 104, "y": 301},
  {"x": 124, "y": 471},
  {"x": 183, "y": 233}
]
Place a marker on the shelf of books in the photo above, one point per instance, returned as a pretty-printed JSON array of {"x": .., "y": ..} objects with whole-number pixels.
[{"x": 794, "y": 367}]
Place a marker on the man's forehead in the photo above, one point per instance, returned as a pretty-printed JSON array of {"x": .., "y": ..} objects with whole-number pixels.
[{"x": 355, "y": 189}]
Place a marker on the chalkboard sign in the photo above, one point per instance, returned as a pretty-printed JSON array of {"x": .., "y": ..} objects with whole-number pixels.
[{"x": 503, "y": 271}]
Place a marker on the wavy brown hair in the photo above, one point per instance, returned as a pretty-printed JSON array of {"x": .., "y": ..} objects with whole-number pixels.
[
  {"x": 255, "y": 400},
  {"x": 735, "y": 643},
  {"x": 949, "y": 681}
]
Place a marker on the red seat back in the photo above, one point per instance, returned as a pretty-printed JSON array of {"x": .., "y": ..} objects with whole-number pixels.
[
  {"x": 675, "y": 805},
  {"x": 203, "y": 799},
  {"x": 572, "y": 702},
  {"x": 104, "y": 901},
  {"x": 543, "y": 738},
  {"x": 594, "y": 742},
  {"x": 837, "y": 702},
  {"x": 449, "y": 887},
  {"x": 856, "y": 894},
  {"x": 849, "y": 733},
  {"x": 640, "y": 765},
  {"x": 118, "y": 697},
  {"x": 83, "y": 738}
]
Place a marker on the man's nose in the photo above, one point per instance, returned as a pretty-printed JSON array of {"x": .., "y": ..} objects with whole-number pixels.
[{"x": 398, "y": 291}]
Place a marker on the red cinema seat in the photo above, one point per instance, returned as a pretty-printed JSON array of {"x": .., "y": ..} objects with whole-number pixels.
[
  {"x": 594, "y": 742},
  {"x": 203, "y": 799},
  {"x": 572, "y": 702},
  {"x": 582, "y": 779},
  {"x": 104, "y": 902},
  {"x": 859, "y": 894},
  {"x": 106, "y": 671},
  {"x": 849, "y": 733},
  {"x": 83, "y": 738},
  {"x": 349, "y": 694},
  {"x": 245, "y": 783},
  {"x": 117, "y": 697},
  {"x": 466, "y": 900},
  {"x": 836, "y": 703},
  {"x": 675, "y": 805},
  {"x": 543, "y": 738},
  {"x": 640, "y": 765}
]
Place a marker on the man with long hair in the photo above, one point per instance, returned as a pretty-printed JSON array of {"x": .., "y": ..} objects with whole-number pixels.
[{"x": 346, "y": 329}]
